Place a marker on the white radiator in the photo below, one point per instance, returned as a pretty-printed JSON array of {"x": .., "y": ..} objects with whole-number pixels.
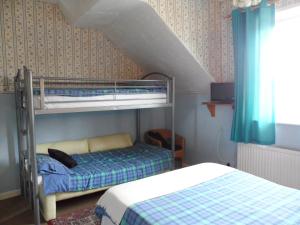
[{"x": 279, "y": 165}]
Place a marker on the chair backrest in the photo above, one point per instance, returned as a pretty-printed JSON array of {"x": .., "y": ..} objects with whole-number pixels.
[{"x": 163, "y": 132}]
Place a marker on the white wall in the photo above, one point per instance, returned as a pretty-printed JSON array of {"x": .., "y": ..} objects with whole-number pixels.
[
  {"x": 288, "y": 136},
  {"x": 208, "y": 138},
  {"x": 8, "y": 144}
]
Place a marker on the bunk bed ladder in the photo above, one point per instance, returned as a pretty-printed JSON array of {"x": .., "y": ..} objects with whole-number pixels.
[
  {"x": 32, "y": 144},
  {"x": 20, "y": 124},
  {"x": 27, "y": 159},
  {"x": 26, "y": 140}
]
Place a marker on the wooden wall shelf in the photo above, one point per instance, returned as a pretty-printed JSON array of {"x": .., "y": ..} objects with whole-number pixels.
[{"x": 211, "y": 106}]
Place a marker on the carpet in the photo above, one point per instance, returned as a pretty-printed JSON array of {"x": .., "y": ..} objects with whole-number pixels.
[{"x": 85, "y": 216}]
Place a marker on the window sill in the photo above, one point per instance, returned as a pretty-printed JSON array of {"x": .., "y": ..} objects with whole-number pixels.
[{"x": 287, "y": 124}]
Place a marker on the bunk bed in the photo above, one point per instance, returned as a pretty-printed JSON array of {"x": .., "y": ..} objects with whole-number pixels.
[{"x": 42, "y": 96}]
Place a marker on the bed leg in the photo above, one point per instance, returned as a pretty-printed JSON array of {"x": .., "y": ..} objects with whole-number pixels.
[
  {"x": 48, "y": 205},
  {"x": 138, "y": 125}
]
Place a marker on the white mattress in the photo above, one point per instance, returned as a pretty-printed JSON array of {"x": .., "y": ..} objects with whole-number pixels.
[
  {"x": 52, "y": 102},
  {"x": 118, "y": 198}
]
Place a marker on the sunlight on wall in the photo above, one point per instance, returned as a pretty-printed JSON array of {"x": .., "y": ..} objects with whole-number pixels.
[{"x": 286, "y": 66}]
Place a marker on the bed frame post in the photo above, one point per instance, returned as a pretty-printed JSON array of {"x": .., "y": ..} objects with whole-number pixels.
[
  {"x": 42, "y": 93},
  {"x": 32, "y": 144},
  {"x": 27, "y": 160},
  {"x": 18, "y": 101},
  {"x": 171, "y": 101},
  {"x": 173, "y": 118},
  {"x": 138, "y": 125}
]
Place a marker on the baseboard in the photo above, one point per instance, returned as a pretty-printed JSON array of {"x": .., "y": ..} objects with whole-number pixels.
[{"x": 10, "y": 194}]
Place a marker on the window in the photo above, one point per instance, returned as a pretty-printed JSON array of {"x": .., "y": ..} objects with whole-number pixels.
[{"x": 286, "y": 66}]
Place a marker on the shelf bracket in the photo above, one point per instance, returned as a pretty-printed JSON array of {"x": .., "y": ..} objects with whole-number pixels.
[
  {"x": 211, "y": 106},
  {"x": 212, "y": 109}
]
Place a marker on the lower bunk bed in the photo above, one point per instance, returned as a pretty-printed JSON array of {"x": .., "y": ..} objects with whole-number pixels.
[
  {"x": 102, "y": 162},
  {"x": 202, "y": 194}
]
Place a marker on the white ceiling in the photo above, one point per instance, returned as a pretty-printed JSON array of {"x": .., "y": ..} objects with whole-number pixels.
[{"x": 134, "y": 27}]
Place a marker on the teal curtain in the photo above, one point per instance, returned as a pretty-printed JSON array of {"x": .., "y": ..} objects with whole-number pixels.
[{"x": 254, "y": 117}]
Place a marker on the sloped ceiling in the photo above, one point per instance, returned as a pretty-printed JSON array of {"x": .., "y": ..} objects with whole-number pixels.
[{"x": 133, "y": 25}]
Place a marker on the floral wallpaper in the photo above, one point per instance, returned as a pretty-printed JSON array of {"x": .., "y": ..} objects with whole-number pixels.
[
  {"x": 35, "y": 34},
  {"x": 283, "y": 4},
  {"x": 205, "y": 29},
  {"x": 201, "y": 26}
]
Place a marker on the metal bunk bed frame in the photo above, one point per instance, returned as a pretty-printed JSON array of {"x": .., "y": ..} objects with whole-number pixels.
[{"x": 26, "y": 113}]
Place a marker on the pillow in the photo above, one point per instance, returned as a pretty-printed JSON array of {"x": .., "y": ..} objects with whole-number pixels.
[
  {"x": 47, "y": 165},
  {"x": 62, "y": 157},
  {"x": 109, "y": 142}
]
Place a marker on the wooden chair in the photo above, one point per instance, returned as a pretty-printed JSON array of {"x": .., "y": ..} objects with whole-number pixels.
[{"x": 167, "y": 134}]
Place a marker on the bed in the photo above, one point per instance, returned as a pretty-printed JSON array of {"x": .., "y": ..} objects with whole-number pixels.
[
  {"x": 92, "y": 97},
  {"x": 104, "y": 169},
  {"x": 202, "y": 194},
  {"x": 102, "y": 162},
  {"x": 56, "y": 95}
]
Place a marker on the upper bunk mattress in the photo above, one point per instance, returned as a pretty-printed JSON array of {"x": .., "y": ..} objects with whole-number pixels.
[
  {"x": 72, "y": 98},
  {"x": 104, "y": 169}
]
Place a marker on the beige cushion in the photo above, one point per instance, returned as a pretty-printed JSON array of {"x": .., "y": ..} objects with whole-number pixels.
[
  {"x": 70, "y": 147},
  {"x": 109, "y": 142}
]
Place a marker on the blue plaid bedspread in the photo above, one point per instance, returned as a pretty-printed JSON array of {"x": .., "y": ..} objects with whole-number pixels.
[
  {"x": 88, "y": 92},
  {"x": 236, "y": 198},
  {"x": 102, "y": 169}
]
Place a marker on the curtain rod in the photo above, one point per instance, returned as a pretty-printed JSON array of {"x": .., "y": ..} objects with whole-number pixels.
[{"x": 255, "y": 7}]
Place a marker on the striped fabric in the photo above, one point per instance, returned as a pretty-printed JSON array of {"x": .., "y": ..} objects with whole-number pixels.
[
  {"x": 81, "y": 92},
  {"x": 236, "y": 198},
  {"x": 102, "y": 169}
]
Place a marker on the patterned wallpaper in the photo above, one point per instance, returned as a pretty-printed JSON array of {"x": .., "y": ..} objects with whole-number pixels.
[
  {"x": 283, "y": 4},
  {"x": 35, "y": 34},
  {"x": 204, "y": 29},
  {"x": 200, "y": 24}
]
